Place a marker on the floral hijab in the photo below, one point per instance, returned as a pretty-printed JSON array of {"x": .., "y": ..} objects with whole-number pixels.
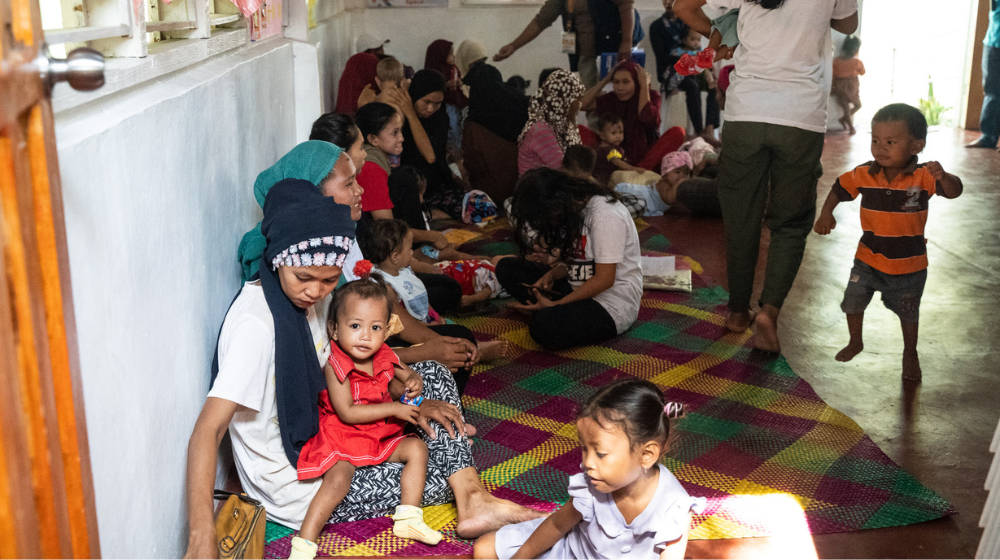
[{"x": 551, "y": 103}]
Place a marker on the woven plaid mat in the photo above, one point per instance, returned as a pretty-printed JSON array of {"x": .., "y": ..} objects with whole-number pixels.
[{"x": 757, "y": 441}]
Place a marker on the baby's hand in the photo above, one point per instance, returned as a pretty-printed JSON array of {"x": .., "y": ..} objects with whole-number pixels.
[
  {"x": 935, "y": 169},
  {"x": 414, "y": 386},
  {"x": 825, "y": 224},
  {"x": 406, "y": 412}
]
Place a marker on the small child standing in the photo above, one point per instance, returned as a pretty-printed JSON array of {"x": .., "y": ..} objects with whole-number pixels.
[
  {"x": 624, "y": 503},
  {"x": 610, "y": 157},
  {"x": 360, "y": 423},
  {"x": 892, "y": 254},
  {"x": 846, "y": 85}
]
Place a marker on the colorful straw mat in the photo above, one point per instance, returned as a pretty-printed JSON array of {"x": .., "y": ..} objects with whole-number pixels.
[{"x": 767, "y": 452}]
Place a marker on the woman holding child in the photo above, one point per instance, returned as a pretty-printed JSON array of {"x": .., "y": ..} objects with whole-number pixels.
[
  {"x": 267, "y": 378},
  {"x": 635, "y": 102}
]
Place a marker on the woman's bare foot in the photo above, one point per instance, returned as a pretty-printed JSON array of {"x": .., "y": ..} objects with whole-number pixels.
[
  {"x": 482, "y": 513},
  {"x": 493, "y": 350},
  {"x": 852, "y": 349},
  {"x": 765, "y": 328},
  {"x": 739, "y": 322},
  {"x": 911, "y": 366}
]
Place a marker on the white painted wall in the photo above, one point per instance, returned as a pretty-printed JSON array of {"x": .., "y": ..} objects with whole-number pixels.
[{"x": 157, "y": 184}]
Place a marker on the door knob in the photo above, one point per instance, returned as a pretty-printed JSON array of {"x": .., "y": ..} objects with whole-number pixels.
[{"x": 82, "y": 69}]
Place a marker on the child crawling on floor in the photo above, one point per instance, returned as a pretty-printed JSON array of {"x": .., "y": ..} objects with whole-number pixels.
[{"x": 892, "y": 254}]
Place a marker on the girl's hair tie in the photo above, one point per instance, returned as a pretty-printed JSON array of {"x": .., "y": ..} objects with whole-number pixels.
[
  {"x": 673, "y": 409},
  {"x": 363, "y": 269}
]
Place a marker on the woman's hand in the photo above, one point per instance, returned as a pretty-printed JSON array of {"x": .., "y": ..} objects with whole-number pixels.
[
  {"x": 400, "y": 99},
  {"x": 541, "y": 302},
  {"x": 406, "y": 412},
  {"x": 505, "y": 52},
  {"x": 438, "y": 239},
  {"x": 643, "y": 77},
  {"x": 452, "y": 352},
  {"x": 443, "y": 413}
]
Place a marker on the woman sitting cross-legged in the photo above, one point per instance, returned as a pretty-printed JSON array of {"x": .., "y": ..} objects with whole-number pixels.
[
  {"x": 592, "y": 291},
  {"x": 267, "y": 378}
]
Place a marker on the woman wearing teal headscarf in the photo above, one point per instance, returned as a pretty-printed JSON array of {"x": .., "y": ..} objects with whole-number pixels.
[{"x": 322, "y": 164}]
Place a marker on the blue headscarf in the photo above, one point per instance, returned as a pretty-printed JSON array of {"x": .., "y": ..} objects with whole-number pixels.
[{"x": 309, "y": 161}]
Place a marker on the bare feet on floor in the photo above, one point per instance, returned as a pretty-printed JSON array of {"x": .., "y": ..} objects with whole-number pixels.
[
  {"x": 493, "y": 350},
  {"x": 852, "y": 349},
  {"x": 486, "y": 513},
  {"x": 765, "y": 333},
  {"x": 911, "y": 366},
  {"x": 739, "y": 322}
]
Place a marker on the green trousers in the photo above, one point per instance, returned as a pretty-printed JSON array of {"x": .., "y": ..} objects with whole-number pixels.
[{"x": 767, "y": 171}]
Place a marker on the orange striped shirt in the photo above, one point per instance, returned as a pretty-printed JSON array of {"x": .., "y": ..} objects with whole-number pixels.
[{"x": 893, "y": 215}]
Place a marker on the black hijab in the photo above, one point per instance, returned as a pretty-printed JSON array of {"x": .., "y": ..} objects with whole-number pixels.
[
  {"x": 496, "y": 106},
  {"x": 303, "y": 228},
  {"x": 436, "y": 126}
]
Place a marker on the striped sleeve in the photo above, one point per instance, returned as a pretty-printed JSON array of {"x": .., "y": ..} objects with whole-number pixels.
[{"x": 845, "y": 188}]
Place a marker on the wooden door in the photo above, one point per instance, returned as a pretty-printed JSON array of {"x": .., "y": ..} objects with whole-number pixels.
[{"x": 46, "y": 491}]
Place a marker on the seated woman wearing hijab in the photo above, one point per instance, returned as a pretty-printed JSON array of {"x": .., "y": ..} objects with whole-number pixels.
[
  {"x": 324, "y": 164},
  {"x": 639, "y": 108},
  {"x": 497, "y": 113},
  {"x": 267, "y": 378},
  {"x": 359, "y": 73},
  {"x": 551, "y": 126},
  {"x": 440, "y": 56},
  {"x": 427, "y": 90}
]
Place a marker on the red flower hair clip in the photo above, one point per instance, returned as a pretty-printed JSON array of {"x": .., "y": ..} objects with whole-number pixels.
[{"x": 363, "y": 268}]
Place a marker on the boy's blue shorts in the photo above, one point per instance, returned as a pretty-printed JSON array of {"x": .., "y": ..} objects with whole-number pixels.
[{"x": 900, "y": 292}]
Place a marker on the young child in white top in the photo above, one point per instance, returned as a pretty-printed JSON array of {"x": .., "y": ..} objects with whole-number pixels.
[{"x": 624, "y": 504}]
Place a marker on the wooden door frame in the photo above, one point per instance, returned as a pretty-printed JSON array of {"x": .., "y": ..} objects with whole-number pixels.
[{"x": 47, "y": 505}]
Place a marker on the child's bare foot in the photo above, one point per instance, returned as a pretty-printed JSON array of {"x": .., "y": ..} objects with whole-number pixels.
[
  {"x": 739, "y": 322},
  {"x": 492, "y": 350},
  {"x": 852, "y": 349},
  {"x": 911, "y": 366},
  {"x": 765, "y": 337}
]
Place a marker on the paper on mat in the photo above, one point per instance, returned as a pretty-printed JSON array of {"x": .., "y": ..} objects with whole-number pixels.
[{"x": 658, "y": 266}]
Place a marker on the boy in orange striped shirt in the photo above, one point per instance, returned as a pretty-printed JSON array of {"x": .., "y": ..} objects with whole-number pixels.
[{"x": 892, "y": 254}]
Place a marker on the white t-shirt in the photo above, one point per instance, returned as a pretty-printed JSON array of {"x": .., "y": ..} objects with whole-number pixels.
[
  {"x": 246, "y": 377},
  {"x": 783, "y": 61},
  {"x": 411, "y": 292},
  {"x": 609, "y": 237}
]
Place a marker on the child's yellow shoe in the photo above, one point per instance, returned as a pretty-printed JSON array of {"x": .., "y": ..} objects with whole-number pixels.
[
  {"x": 303, "y": 549},
  {"x": 409, "y": 524}
]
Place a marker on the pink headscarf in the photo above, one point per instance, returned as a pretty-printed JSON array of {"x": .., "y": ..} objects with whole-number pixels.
[{"x": 673, "y": 160}]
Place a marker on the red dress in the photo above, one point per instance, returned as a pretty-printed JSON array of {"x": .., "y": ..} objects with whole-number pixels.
[{"x": 358, "y": 444}]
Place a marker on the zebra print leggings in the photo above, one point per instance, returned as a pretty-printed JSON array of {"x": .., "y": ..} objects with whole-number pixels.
[{"x": 375, "y": 490}]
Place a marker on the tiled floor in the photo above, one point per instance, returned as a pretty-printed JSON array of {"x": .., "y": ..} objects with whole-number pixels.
[{"x": 940, "y": 431}]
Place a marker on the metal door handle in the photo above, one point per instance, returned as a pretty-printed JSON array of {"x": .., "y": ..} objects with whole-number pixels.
[{"x": 82, "y": 69}]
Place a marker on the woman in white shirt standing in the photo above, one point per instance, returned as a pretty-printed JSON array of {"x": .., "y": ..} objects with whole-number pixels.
[
  {"x": 772, "y": 141},
  {"x": 584, "y": 282}
]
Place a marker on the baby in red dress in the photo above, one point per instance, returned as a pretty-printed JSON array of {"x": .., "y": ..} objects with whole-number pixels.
[{"x": 360, "y": 423}]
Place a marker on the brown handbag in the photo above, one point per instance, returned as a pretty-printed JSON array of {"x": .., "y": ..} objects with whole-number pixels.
[{"x": 239, "y": 526}]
